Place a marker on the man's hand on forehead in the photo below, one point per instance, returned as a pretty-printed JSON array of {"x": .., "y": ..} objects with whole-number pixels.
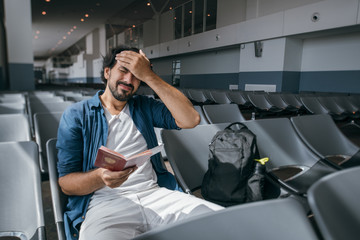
[{"x": 137, "y": 63}]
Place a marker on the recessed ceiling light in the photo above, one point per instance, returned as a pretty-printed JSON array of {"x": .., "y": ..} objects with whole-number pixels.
[
  {"x": 37, "y": 32},
  {"x": 47, "y": 0},
  {"x": 86, "y": 15},
  {"x": 148, "y": 4},
  {"x": 36, "y": 37},
  {"x": 64, "y": 37},
  {"x": 43, "y": 13},
  {"x": 74, "y": 27},
  {"x": 82, "y": 20}
]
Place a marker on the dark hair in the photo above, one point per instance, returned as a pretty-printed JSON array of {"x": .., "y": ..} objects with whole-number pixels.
[{"x": 109, "y": 60}]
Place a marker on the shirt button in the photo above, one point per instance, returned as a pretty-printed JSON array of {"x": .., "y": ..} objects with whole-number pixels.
[
  {"x": 83, "y": 217},
  {"x": 74, "y": 234}
]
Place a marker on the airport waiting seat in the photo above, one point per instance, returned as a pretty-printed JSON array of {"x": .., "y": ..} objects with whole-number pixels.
[
  {"x": 12, "y": 98},
  {"x": 21, "y": 208},
  {"x": 187, "y": 151},
  {"x": 277, "y": 100},
  {"x": 334, "y": 108},
  {"x": 43, "y": 107},
  {"x": 46, "y": 127},
  {"x": 334, "y": 201},
  {"x": 270, "y": 219},
  {"x": 239, "y": 98},
  {"x": 14, "y": 127},
  {"x": 41, "y": 94},
  {"x": 197, "y": 96},
  {"x": 58, "y": 198},
  {"x": 12, "y": 107},
  {"x": 261, "y": 103},
  {"x": 291, "y": 163},
  {"x": 203, "y": 119},
  {"x": 312, "y": 105},
  {"x": 323, "y": 136},
  {"x": 223, "y": 113},
  {"x": 76, "y": 98},
  {"x": 219, "y": 96},
  {"x": 346, "y": 103},
  {"x": 292, "y": 99}
]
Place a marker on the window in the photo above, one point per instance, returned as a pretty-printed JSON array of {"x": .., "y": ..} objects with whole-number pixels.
[
  {"x": 188, "y": 13},
  {"x": 134, "y": 37},
  {"x": 199, "y": 16},
  {"x": 178, "y": 22},
  {"x": 211, "y": 9},
  {"x": 176, "y": 65},
  {"x": 195, "y": 17}
]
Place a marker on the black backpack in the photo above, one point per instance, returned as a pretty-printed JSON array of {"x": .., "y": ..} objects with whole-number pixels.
[{"x": 234, "y": 176}]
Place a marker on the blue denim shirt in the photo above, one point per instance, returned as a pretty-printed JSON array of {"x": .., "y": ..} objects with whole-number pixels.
[{"x": 83, "y": 129}]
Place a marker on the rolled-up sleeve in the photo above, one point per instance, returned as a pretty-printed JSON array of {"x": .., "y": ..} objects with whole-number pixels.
[
  {"x": 70, "y": 141},
  {"x": 161, "y": 115}
]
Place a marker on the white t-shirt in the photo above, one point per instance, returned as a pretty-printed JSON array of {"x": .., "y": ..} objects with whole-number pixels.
[{"x": 125, "y": 138}]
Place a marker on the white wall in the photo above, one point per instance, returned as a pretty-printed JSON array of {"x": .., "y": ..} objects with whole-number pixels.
[
  {"x": 293, "y": 54},
  {"x": 18, "y": 31},
  {"x": 166, "y": 27},
  {"x": 339, "y": 52},
  {"x": 150, "y": 33},
  {"x": 224, "y": 61},
  {"x": 272, "y": 56},
  {"x": 267, "y": 7},
  {"x": 230, "y": 12}
]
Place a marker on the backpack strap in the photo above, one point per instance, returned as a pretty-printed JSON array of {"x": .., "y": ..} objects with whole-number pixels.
[{"x": 239, "y": 124}]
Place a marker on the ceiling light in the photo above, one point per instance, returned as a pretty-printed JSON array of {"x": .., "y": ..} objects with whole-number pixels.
[
  {"x": 43, "y": 13},
  {"x": 37, "y": 32},
  {"x": 74, "y": 27},
  {"x": 64, "y": 37},
  {"x": 133, "y": 26},
  {"x": 86, "y": 15},
  {"x": 148, "y": 3},
  {"x": 69, "y": 33},
  {"x": 36, "y": 37},
  {"x": 82, "y": 20},
  {"x": 47, "y": 0}
]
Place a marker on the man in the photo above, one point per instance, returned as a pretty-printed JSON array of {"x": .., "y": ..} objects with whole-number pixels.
[{"x": 107, "y": 204}]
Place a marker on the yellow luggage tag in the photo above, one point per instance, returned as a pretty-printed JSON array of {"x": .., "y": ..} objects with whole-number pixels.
[{"x": 262, "y": 161}]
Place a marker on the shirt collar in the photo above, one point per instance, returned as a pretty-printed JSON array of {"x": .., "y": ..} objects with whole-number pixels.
[{"x": 95, "y": 100}]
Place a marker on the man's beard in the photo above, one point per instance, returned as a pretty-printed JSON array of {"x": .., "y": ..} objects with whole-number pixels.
[{"x": 123, "y": 95}]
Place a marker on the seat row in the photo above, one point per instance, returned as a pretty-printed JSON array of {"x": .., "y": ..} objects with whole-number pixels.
[
  {"x": 340, "y": 106},
  {"x": 302, "y": 150},
  {"x": 301, "y": 162}
]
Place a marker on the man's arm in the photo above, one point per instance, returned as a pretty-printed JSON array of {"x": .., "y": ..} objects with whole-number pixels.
[
  {"x": 83, "y": 183},
  {"x": 180, "y": 107},
  {"x": 70, "y": 149}
]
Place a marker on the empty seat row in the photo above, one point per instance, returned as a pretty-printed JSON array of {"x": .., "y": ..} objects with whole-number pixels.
[
  {"x": 301, "y": 150},
  {"x": 339, "y": 106}
]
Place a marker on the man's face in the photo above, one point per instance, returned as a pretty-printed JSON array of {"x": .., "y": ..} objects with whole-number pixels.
[{"x": 121, "y": 82}]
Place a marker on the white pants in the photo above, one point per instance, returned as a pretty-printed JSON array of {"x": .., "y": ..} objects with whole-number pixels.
[{"x": 132, "y": 214}]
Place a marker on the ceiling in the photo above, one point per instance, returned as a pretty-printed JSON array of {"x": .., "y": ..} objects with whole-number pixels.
[{"x": 60, "y": 30}]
